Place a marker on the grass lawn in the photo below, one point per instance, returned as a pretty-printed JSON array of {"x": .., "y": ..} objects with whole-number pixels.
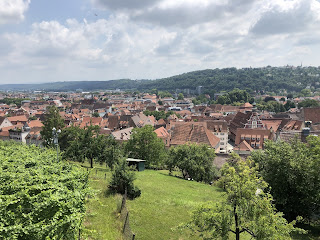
[
  {"x": 166, "y": 202},
  {"x": 101, "y": 221}
]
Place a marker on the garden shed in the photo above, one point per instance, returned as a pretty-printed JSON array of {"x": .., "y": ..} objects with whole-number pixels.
[{"x": 139, "y": 163}]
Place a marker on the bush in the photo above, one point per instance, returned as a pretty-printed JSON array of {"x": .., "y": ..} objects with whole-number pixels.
[{"x": 122, "y": 180}]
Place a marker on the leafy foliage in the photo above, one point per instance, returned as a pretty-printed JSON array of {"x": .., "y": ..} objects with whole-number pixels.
[
  {"x": 272, "y": 106},
  {"x": 234, "y": 96},
  {"x": 308, "y": 103},
  {"x": 80, "y": 144},
  {"x": 144, "y": 144},
  {"x": 194, "y": 161},
  {"x": 95, "y": 114},
  {"x": 16, "y": 101},
  {"x": 52, "y": 120},
  {"x": 40, "y": 198},
  {"x": 247, "y": 209},
  {"x": 292, "y": 170},
  {"x": 122, "y": 180},
  {"x": 158, "y": 114}
]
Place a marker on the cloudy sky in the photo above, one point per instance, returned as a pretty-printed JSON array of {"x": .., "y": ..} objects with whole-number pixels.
[{"x": 68, "y": 40}]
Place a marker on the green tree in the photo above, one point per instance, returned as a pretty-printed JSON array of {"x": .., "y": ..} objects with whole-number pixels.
[
  {"x": 79, "y": 144},
  {"x": 292, "y": 170},
  {"x": 289, "y": 105},
  {"x": 194, "y": 161},
  {"x": 306, "y": 92},
  {"x": 247, "y": 209},
  {"x": 52, "y": 120},
  {"x": 32, "y": 118},
  {"x": 308, "y": 103},
  {"x": 290, "y": 96},
  {"x": 180, "y": 96},
  {"x": 144, "y": 144},
  {"x": 122, "y": 180},
  {"x": 95, "y": 114}
]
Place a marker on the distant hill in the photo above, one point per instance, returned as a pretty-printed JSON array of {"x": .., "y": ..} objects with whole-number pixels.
[{"x": 267, "y": 79}]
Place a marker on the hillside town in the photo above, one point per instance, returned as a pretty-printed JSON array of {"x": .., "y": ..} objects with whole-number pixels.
[{"x": 224, "y": 128}]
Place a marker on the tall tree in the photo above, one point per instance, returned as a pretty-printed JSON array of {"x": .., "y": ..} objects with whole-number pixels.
[
  {"x": 292, "y": 170},
  {"x": 144, "y": 144},
  {"x": 52, "y": 120},
  {"x": 247, "y": 209}
]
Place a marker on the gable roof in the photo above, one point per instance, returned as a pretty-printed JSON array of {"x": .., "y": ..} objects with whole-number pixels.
[
  {"x": 21, "y": 118},
  {"x": 244, "y": 146},
  {"x": 162, "y": 132},
  {"x": 183, "y": 132}
]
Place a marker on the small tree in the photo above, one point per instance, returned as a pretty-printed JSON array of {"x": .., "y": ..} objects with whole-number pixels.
[
  {"x": 52, "y": 120},
  {"x": 180, "y": 96},
  {"x": 95, "y": 114},
  {"x": 247, "y": 209},
  {"x": 122, "y": 180}
]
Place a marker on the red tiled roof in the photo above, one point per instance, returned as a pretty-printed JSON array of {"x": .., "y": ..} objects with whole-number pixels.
[{"x": 183, "y": 132}]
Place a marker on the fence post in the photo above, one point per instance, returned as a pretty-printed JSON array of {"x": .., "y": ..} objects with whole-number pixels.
[
  {"x": 79, "y": 233},
  {"x": 133, "y": 236},
  {"x": 125, "y": 222},
  {"x": 105, "y": 176}
]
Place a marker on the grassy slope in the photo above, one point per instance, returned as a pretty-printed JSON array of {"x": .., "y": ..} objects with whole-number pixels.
[
  {"x": 101, "y": 221},
  {"x": 165, "y": 203}
]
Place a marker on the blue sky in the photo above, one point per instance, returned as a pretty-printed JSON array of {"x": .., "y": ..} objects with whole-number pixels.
[{"x": 69, "y": 40}]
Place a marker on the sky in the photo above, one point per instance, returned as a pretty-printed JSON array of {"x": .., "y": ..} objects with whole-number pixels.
[{"x": 83, "y": 40}]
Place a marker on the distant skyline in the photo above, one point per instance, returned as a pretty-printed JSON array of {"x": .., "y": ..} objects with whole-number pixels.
[{"x": 68, "y": 40}]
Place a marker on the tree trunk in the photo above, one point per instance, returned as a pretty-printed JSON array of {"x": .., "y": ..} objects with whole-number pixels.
[
  {"x": 91, "y": 163},
  {"x": 236, "y": 223}
]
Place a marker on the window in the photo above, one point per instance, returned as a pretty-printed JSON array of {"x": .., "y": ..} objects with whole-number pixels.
[
  {"x": 222, "y": 133},
  {"x": 222, "y": 143},
  {"x": 215, "y": 133}
]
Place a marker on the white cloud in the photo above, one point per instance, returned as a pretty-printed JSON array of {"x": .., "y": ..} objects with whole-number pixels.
[
  {"x": 12, "y": 11},
  {"x": 161, "y": 38}
]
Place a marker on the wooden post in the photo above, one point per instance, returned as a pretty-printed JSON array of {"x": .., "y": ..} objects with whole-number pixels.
[
  {"x": 125, "y": 222},
  {"x": 105, "y": 176},
  {"x": 133, "y": 236}
]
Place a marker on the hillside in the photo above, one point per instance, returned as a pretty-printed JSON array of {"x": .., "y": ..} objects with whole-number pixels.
[{"x": 266, "y": 79}]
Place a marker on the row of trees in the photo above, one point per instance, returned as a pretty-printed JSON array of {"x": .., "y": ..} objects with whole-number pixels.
[{"x": 235, "y": 96}]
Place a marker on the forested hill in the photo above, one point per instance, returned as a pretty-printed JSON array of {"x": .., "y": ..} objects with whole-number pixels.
[{"x": 267, "y": 79}]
